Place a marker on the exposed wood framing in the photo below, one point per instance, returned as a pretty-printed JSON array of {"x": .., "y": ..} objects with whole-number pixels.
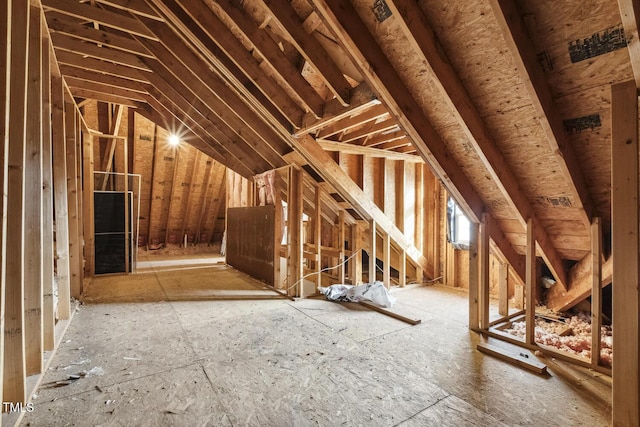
[
  {"x": 294, "y": 232},
  {"x": 596, "y": 292},
  {"x": 73, "y": 210},
  {"x": 5, "y": 108},
  {"x": 14, "y": 352},
  {"x": 625, "y": 253},
  {"x": 530, "y": 285},
  {"x": 372, "y": 251},
  {"x": 483, "y": 270},
  {"x": 474, "y": 276},
  {"x": 630, "y": 13},
  {"x": 32, "y": 242}
]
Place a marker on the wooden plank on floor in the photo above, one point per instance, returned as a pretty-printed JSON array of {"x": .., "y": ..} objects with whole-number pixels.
[
  {"x": 391, "y": 313},
  {"x": 14, "y": 358},
  {"x": 33, "y": 202},
  {"x": 520, "y": 359},
  {"x": 625, "y": 253}
]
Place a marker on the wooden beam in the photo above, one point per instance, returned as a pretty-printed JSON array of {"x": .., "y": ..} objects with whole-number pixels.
[
  {"x": 420, "y": 34},
  {"x": 104, "y": 79},
  {"x": 625, "y": 239},
  {"x": 60, "y": 197},
  {"x": 138, "y": 7},
  {"x": 5, "y": 109},
  {"x": 14, "y": 352},
  {"x": 510, "y": 21},
  {"x": 386, "y": 260},
  {"x": 367, "y": 151},
  {"x": 356, "y": 261},
  {"x": 48, "y": 308},
  {"x": 77, "y": 60},
  {"x": 372, "y": 251},
  {"x": 106, "y": 89},
  {"x": 101, "y": 37},
  {"x": 176, "y": 157},
  {"x": 317, "y": 231},
  {"x": 110, "y": 149},
  {"x": 294, "y": 233},
  {"x": 104, "y": 97},
  {"x": 503, "y": 289},
  {"x": 483, "y": 270},
  {"x": 374, "y": 113},
  {"x": 75, "y": 243},
  {"x": 581, "y": 285},
  {"x": 220, "y": 47},
  {"x": 630, "y": 14},
  {"x": 73, "y": 45},
  {"x": 33, "y": 279},
  {"x": 311, "y": 49},
  {"x": 190, "y": 195},
  {"x": 474, "y": 277},
  {"x": 530, "y": 285},
  {"x": 596, "y": 292},
  {"x": 101, "y": 16},
  {"x": 264, "y": 44},
  {"x": 351, "y": 32},
  {"x": 88, "y": 180}
]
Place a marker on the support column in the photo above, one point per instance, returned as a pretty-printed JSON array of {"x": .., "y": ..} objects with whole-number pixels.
[
  {"x": 386, "y": 260},
  {"x": 294, "y": 233},
  {"x": 474, "y": 277},
  {"x": 372, "y": 251},
  {"x": 75, "y": 245},
  {"x": 483, "y": 272},
  {"x": 341, "y": 239},
  {"x": 626, "y": 253},
  {"x": 596, "y": 290},
  {"x": 530, "y": 291},
  {"x": 14, "y": 357}
]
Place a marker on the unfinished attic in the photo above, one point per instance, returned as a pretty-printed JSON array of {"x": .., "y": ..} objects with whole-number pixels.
[{"x": 187, "y": 182}]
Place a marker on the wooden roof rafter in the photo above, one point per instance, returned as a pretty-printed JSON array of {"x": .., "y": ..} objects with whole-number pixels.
[
  {"x": 630, "y": 13},
  {"x": 178, "y": 58},
  {"x": 94, "y": 65},
  {"x": 353, "y": 34},
  {"x": 510, "y": 22},
  {"x": 271, "y": 53},
  {"x": 310, "y": 48},
  {"x": 419, "y": 33}
]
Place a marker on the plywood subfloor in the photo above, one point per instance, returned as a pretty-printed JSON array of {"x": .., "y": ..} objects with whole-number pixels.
[{"x": 281, "y": 363}]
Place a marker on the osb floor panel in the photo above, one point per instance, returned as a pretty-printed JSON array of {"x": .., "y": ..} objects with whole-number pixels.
[{"x": 282, "y": 363}]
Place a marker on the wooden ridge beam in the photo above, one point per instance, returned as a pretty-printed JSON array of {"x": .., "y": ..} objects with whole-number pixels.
[
  {"x": 267, "y": 48},
  {"x": 107, "y": 18},
  {"x": 419, "y": 33},
  {"x": 510, "y": 21},
  {"x": 311, "y": 49},
  {"x": 218, "y": 45},
  {"x": 101, "y": 37}
]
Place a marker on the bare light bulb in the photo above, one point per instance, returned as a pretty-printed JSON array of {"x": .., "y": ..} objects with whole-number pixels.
[{"x": 174, "y": 140}]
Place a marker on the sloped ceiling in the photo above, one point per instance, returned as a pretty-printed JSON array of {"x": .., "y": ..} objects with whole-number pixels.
[{"x": 507, "y": 101}]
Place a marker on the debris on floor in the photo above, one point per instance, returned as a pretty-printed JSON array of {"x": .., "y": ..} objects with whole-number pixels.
[{"x": 374, "y": 292}]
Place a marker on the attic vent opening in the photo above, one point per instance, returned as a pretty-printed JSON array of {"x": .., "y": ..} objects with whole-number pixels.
[{"x": 381, "y": 10}]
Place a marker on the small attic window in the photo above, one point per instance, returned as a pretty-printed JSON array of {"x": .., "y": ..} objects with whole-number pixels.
[{"x": 458, "y": 226}]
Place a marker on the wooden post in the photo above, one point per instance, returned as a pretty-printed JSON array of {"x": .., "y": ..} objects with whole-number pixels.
[
  {"x": 33, "y": 202},
  {"x": 48, "y": 309},
  {"x": 88, "y": 202},
  {"x": 483, "y": 272},
  {"x": 128, "y": 232},
  {"x": 63, "y": 273},
  {"x": 596, "y": 291},
  {"x": 173, "y": 185},
  {"x": 317, "y": 238},
  {"x": 356, "y": 261},
  {"x": 625, "y": 252},
  {"x": 400, "y": 186},
  {"x": 205, "y": 199},
  {"x": 277, "y": 231},
  {"x": 341, "y": 238},
  {"x": 14, "y": 357},
  {"x": 386, "y": 260},
  {"x": 294, "y": 233},
  {"x": 372, "y": 251},
  {"x": 402, "y": 268},
  {"x": 474, "y": 277},
  {"x": 5, "y": 65},
  {"x": 75, "y": 245},
  {"x": 190, "y": 191},
  {"x": 530, "y": 291},
  {"x": 503, "y": 289}
]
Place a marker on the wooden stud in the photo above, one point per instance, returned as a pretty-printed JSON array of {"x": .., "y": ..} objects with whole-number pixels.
[
  {"x": 372, "y": 251},
  {"x": 48, "y": 309},
  {"x": 399, "y": 191},
  {"x": 75, "y": 244},
  {"x": 190, "y": 194},
  {"x": 402, "y": 268},
  {"x": 278, "y": 229},
  {"x": 5, "y": 108},
  {"x": 503, "y": 289},
  {"x": 596, "y": 293},
  {"x": 294, "y": 233},
  {"x": 531, "y": 285},
  {"x": 474, "y": 277},
  {"x": 205, "y": 198},
  {"x": 341, "y": 239},
  {"x": 63, "y": 273},
  {"x": 625, "y": 253},
  {"x": 33, "y": 202},
  {"x": 14, "y": 352},
  {"x": 317, "y": 234},
  {"x": 176, "y": 157},
  {"x": 386, "y": 260},
  {"x": 630, "y": 14},
  {"x": 215, "y": 211},
  {"x": 483, "y": 270}
]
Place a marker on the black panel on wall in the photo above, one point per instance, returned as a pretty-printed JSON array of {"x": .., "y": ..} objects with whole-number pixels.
[{"x": 109, "y": 224}]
